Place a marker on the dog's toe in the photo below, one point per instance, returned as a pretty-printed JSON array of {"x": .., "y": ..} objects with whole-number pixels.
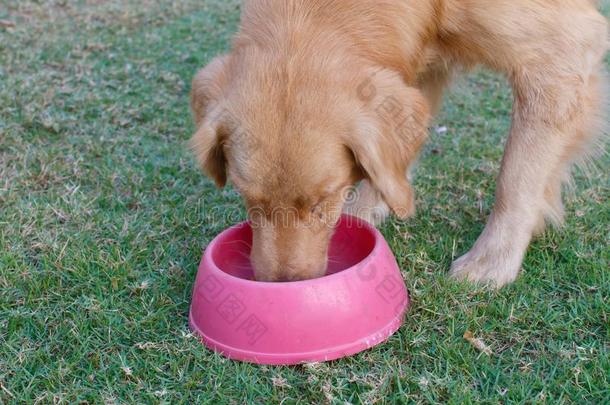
[{"x": 481, "y": 269}]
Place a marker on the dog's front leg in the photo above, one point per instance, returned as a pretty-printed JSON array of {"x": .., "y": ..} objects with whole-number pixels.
[
  {"x": 367, "y": 203},
  {"x": 553, "y": 122}
]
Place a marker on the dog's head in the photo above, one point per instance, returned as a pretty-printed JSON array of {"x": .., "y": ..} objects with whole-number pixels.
[{"x": 292, "y": 138}]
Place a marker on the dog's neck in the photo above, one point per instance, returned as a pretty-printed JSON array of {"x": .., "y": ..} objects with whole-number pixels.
[{"x": 395, "y": 35}]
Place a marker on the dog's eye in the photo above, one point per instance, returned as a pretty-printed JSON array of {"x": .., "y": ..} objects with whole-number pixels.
[{"x": 317, "y": 210}]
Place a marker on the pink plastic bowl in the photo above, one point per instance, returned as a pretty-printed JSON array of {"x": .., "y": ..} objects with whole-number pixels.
[{"x": 358, "y": 304}]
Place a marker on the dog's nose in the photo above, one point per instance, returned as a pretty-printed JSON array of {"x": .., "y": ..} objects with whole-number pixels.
[
  {"x": 303, "y": 272},
  {"x": 287, "y": 268},
  {"x": 292, "y": 277}
]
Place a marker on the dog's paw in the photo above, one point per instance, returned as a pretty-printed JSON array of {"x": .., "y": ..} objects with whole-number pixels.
[{"x": 485, "y": 269}]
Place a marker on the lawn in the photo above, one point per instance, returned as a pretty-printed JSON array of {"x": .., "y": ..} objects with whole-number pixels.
[{"x": 104, "y": 214}]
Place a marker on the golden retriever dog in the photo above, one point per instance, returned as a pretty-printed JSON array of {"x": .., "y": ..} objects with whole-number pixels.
[{"x": 320, "y": 95}]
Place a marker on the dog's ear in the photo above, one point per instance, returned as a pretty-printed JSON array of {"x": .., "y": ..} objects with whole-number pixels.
[
  {"x": 208, "y": 88},
  {"x": 388, "y": 137}
]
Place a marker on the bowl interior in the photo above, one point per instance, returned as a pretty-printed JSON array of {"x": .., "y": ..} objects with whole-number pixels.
[{"x": 352, "y": 241}]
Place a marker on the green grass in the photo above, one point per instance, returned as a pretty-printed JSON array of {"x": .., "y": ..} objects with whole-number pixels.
[{"x": 103, "y": 216}]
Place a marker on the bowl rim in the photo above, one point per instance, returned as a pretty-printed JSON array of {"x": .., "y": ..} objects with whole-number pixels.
[{"x": 378, "y": 238}]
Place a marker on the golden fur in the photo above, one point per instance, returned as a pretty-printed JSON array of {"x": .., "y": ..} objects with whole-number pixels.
[{"x": 317, "y": 95}]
